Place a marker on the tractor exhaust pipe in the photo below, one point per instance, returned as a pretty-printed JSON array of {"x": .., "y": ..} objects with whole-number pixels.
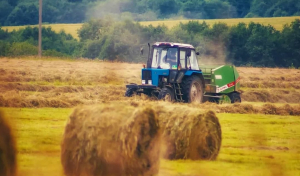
[{"x": 149, "y": 60}]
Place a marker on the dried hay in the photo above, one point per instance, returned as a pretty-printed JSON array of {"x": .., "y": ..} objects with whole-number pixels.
[
  {"x": 271, "y": 84},
  {"x": 282, "y": 110},
  {"x": 239, "y": 108},
  {"x": 272, "y": 96},
  {"x": 111, "y": 140},
  {"x": 189, "y": 133},
  {"x": 8, "y": 161}
]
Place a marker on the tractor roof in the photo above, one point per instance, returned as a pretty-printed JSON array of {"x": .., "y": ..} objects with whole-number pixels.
[{"x": 180, "y": 45}]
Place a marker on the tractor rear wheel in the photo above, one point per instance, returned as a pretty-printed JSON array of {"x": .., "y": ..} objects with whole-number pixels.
[
  {"x": 235, "y": 97},
  {"x": 192, "y": 88},
  {"x": 166, "y": 94},
  {"x": 129, "y": 92}
]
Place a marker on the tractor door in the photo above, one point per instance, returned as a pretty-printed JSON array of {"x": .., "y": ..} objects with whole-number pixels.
[{"x": 192, "y": 63}]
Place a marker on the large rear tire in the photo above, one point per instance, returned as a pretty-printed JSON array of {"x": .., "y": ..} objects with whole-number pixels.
[
  {"x": 166, "y": 94},
  {"x": 192, "y": 88}
]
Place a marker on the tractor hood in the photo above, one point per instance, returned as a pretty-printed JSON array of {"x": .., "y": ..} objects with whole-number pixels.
[{"x": 151, "y": 76}]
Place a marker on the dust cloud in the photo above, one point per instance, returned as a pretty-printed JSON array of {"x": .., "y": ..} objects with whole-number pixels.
[{"x": 213, "y": 53}]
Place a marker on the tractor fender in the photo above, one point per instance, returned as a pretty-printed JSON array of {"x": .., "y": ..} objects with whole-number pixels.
[{"x": 195, "y": 73}]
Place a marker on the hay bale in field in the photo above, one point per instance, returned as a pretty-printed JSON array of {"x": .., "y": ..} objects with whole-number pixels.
[
  {"x": 111, "y": 140},
  {"x": 190, "y": 134},
  {"x": 8, "y": 162}
]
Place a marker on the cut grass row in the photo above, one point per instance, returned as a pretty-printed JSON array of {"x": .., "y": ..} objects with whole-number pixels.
[
  {"x": 64, "y": 83},
  {"x": 252, "y": 145},
  {"x": 276, "y": 22}
]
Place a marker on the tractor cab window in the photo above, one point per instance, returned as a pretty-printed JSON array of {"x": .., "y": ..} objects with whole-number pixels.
[
  {"x": 192, "y": 61},
  {"x": 182, "y": 58},
  {"x": 165, "y": 58}
]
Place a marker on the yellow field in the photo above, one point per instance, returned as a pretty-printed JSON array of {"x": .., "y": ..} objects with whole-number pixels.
[
  {"x": 277, "y": 22},
  {"x": 68, "y": 28}
]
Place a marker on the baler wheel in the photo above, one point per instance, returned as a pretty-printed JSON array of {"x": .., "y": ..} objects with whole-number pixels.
[
  {"x": 225, "y": 99},
  {"x": 166, "y": 94},
  {"x": 235, "y": 97}
]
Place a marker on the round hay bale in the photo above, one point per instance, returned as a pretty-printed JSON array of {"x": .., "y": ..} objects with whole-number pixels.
[
  {"x": 8, "y": 161},
  {"x": 190, "y": 134},
  {"x": 111, "y": 140}
]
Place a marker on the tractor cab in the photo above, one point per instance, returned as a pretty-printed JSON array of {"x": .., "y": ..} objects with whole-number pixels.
[
  {"x": 174, "y": 57},
  {"x": 172, "y": 73}
]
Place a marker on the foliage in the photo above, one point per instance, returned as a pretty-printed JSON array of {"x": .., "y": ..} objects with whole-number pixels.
[
  {"x": 253, "y": 44},
  {"x": 22, "y": 49},
  {"x": 241, "y": 44},
  {"x": 25, "y": 41},
  {"x": 21, "y": 12}
]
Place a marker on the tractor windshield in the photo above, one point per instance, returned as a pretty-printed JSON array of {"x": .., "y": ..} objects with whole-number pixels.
[{"x": 165, "y": 58}]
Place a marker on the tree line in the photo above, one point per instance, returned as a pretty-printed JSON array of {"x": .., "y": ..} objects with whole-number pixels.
[
  {"x": 25, "y": 12},
  {"x": 243, "y": 45}
]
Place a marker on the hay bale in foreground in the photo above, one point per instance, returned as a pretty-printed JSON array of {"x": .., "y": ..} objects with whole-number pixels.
[
  {"x": 190, "y": 134},
  {"x": 8, "y": 162},
  {"x": 111, "y": 140}
]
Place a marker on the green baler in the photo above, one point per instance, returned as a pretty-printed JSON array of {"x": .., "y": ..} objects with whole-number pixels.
[{"x": 221, "y": 83}]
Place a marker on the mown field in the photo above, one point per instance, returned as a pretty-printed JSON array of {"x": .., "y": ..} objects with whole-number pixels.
[
  {"x": 277, "y": 22},
  {"x": 252, "y": 145},
  {"x": 260, "y": 136}
]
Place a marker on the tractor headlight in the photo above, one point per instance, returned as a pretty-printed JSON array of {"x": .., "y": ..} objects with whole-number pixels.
[
  {"x": 150, "y": 82},
  {"x": 143, "y": 82}
]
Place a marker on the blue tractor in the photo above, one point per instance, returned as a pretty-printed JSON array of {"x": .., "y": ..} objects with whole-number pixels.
[{"x": 172, "y": 74}]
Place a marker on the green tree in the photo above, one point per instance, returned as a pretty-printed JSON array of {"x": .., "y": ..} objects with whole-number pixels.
[
  {"x": 5, "y": 9},
  {"x": 242, "y": 7},
  {"x": 4, "y": 47},
  {"x": 22, "y": 49},
  {"x": 237, "y": 38},
  {"x": 23, "y": 14},
  {"x": 193, "y": 9},
  {"x": 283, "y": 8},
  {"x": 92, "y": 29},
  {"x": 216, "y": 9},
  {"x": 291, "y": 43},
  {"x": 261, "y": 44},
  {"x": 194, "y": 27},
  {"x": 165, "y": 7}
]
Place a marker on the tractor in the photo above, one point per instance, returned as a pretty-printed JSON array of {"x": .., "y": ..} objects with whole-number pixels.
[{"x": 172, "y": 73}]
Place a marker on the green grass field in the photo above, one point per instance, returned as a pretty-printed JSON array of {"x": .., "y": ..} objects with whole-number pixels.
[
  {"x": 277, "y": 22},
  {"x": 252, "y": 145}
]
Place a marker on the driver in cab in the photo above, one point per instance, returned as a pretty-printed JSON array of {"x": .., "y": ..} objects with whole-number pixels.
[{"x": 171, "y": 57}]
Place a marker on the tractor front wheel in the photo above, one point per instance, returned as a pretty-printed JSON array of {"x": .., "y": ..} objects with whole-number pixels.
[
  {"x": 166, "y": 94},
  {"x": 129, "y": 92},
  {"x": 193, "y": 89}
]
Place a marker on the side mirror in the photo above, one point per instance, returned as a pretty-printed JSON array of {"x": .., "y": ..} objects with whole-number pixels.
[{"x": 197, "y": 53}]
